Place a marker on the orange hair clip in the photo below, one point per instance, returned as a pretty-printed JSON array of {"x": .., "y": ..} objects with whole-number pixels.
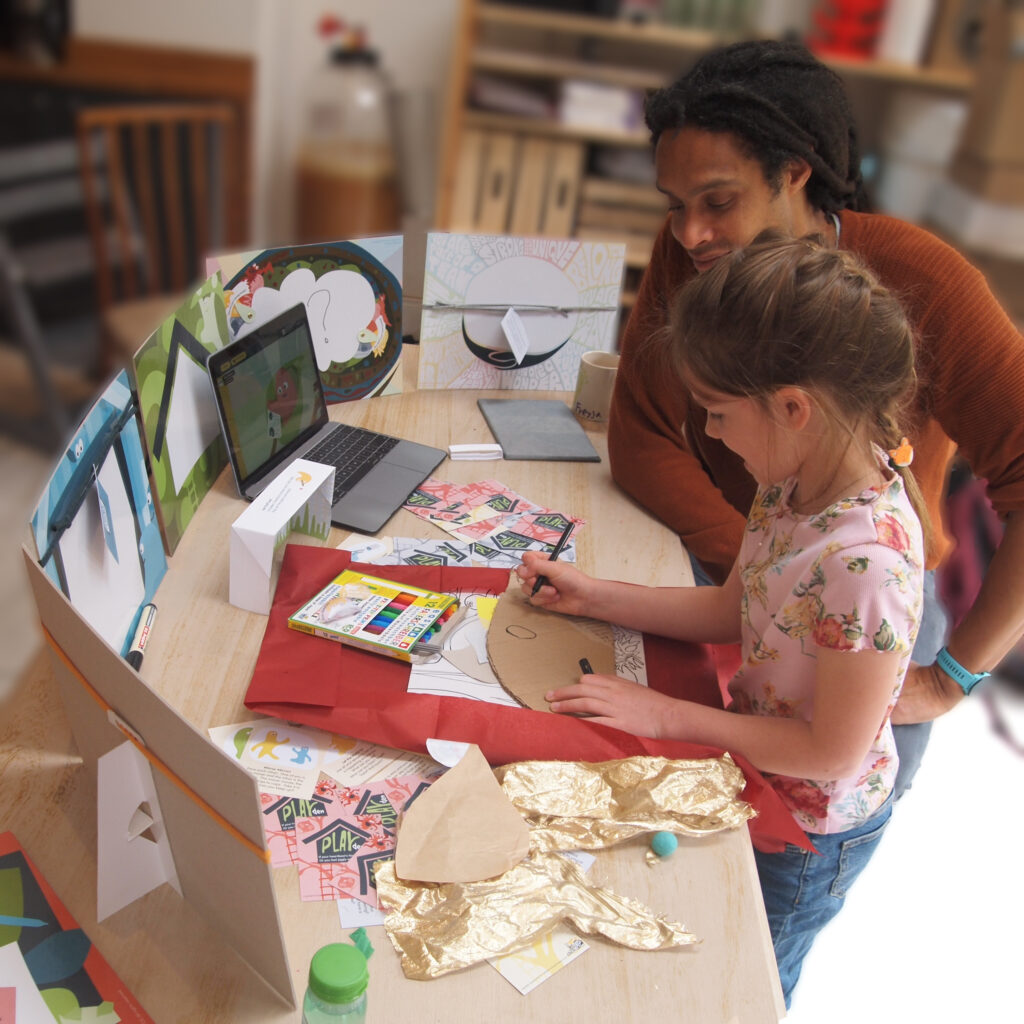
[{"x": 903, "y": 455}]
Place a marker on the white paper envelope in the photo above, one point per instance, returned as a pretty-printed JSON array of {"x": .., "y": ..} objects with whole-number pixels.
[{"x": 298, "y": 500}]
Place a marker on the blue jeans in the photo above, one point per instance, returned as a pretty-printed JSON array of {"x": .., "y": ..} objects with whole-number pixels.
[
  {"x": 803, "y": 891},
  {"x": 911, "y": 740}
]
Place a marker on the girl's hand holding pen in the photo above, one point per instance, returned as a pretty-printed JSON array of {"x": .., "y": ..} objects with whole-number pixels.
[{"x": 567, "y": 589}]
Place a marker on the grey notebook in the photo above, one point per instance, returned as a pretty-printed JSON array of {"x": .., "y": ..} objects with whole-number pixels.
[{"x": 542, "y": 429}]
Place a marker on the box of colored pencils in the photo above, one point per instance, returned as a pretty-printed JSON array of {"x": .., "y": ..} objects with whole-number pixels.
[{"x": 378, "y": 615}]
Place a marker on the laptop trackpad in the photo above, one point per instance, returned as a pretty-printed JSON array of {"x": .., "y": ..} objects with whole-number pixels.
[{"x": 373, "y": 501}]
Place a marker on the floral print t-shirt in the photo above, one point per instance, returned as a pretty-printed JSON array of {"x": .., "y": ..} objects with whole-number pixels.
[{"x": 848, "y": 578}]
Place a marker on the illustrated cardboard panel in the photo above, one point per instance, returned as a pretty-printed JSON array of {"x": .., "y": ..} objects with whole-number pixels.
[
  {"x": 565, "y": 294},
  {"x": 352, "y": 291},
  {"x": 179, "y": 415},
  {"x": 95, "y": 525}
]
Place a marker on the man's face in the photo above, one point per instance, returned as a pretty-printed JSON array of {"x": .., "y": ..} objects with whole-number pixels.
[{"x": 718, "y": 197}]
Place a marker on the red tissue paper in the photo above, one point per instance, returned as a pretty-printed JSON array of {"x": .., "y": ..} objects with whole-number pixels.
[{"x": 321, "y": 683}]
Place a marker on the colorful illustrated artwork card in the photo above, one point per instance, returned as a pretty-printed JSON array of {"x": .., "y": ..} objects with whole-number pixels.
[
  {"x": 287, "y": 760},
  {"x": 284, "y": 758},
  {"x": 496, "y": 520},
  {"x": 337, "y": 852},
  {"x": 279, "y": 816},
  {"x": 510, "y": 312},
  {"x": 352, "y": 291},
  {"x": 179, "y": 415},
  {"x": 95, "y": 526},
  {"x": 40, "y": 939}
]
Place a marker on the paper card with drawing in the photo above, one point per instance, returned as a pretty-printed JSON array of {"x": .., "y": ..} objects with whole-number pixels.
[
  {"x": 352, "y": 291},
  {"x": 336, "y": 852},
  {"x": 289, "y": 760},
  {"x": 179, "y": 417},
  {"x": 95, "y": 526},
  {"x": 527, "y": 968},
  {"x": 565, "y": 297},
  {"x": 284, "y": 758},
  {"x": 279, "y": 816},
  {"x": 519, "y": 525}
]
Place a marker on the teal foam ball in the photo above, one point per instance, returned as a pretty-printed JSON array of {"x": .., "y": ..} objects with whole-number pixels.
[{"x": 664, "y": 844}]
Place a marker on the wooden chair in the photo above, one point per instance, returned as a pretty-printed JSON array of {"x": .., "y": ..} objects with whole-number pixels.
[
  {"x": 164, "y": 187},
  {"x": 46, "y": 339}
]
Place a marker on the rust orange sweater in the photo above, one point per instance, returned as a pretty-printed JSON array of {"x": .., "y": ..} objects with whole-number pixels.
[{"x": 970, "y": 362}]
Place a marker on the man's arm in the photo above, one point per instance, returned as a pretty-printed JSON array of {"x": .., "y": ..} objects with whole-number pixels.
[
  {"x": 649, "y": 456},
  {"x": 972, "y": 365},
  {"x": 984, "y": 637}
]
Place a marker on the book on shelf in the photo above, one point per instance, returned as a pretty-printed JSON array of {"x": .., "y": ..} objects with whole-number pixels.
[{"x": 378, "y": 615}]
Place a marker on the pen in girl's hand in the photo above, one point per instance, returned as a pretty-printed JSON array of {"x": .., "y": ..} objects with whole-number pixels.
[
  {"x": 586, "y": 666},
  {"x": 556, "y": 551}
]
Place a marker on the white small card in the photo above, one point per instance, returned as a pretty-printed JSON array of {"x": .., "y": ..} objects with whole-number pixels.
[
  {"x": 297, "y": 500},
  {"x": 515, "y": 332},
  {"x": 474, "y": 451}
]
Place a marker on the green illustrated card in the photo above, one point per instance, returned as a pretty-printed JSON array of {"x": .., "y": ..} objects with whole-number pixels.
[{"x": 179, "y": 415}]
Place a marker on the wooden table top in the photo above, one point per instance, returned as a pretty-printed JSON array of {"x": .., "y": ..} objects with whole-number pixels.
[{"x": 200, "y": 659}]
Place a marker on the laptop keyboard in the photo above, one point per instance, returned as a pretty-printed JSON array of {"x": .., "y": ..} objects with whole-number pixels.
[{"x": 353, "y": 452}]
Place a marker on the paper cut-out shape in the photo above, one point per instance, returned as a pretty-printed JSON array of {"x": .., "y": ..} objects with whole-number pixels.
[
  {"x": 532, "y": 650},
  {"x": 133, "y": 853},
  {"x": 462, "y": 829}
]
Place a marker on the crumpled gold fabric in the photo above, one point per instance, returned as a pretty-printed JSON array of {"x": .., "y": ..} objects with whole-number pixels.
[
  {"x": 437, "y": 929},
  {"x": 571, "y": 805}
]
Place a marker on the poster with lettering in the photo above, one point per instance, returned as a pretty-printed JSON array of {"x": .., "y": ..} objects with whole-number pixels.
[
  {"x": 279, "y": 816},
  {"x": 512, "y": 312},
  {"x": 336, "y": 851}
]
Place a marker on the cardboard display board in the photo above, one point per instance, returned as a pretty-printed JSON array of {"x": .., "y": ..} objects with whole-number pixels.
[{"x": 210, "y": 804}]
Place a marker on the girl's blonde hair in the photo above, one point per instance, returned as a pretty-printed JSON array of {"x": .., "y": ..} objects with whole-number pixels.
[{"x": 792, "y": 312}]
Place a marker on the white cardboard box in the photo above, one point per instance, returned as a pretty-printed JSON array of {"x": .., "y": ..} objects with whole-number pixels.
[{"x": 298, "y": 500}]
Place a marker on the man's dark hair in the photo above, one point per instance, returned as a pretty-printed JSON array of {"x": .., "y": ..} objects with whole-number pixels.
[{"x": 781, "y": 102}]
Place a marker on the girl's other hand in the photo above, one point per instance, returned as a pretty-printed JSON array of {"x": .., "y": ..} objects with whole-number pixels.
[
  {"x": 618, "y": 702},
  {"x": 568, "y": 590}
]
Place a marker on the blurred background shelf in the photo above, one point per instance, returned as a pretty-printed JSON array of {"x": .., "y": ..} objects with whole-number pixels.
[{"x": 544, "y": 134}]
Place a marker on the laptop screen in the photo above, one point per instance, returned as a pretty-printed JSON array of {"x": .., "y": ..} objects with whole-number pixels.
[{"x": 268, "y": 393}]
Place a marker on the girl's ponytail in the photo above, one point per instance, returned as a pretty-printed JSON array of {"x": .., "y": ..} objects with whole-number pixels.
[{"x": 901, "y": 455}]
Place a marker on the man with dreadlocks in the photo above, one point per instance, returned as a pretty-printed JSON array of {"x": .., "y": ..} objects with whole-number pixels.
[{"x": 760, "y": 135}]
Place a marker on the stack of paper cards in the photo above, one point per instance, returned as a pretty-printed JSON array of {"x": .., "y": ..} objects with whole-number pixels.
[{"x": 474, "y": 452}]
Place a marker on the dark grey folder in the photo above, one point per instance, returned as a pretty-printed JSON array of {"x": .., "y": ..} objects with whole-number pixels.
[{"x": 542, "y": 429}]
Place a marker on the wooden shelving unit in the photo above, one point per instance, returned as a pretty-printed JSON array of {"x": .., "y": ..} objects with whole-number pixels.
[{"x": 533, "y": 170}]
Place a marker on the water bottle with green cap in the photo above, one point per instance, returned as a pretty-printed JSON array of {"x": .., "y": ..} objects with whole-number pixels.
[{"x": 338, "y": 976}]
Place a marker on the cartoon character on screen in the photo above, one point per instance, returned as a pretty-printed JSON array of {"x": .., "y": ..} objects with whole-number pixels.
[{"x": 282, "y": 400}]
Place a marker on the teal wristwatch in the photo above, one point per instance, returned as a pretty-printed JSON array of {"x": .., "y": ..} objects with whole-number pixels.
[{"x": 967, "y": 681}]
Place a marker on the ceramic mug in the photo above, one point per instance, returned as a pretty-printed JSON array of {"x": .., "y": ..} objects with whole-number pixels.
[{"x": 594, "y": 386}]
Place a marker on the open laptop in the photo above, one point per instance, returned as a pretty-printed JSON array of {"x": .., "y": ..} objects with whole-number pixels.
[{"x": 272, "y": 410}]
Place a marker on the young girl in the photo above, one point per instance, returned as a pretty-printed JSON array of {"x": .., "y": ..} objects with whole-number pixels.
[{"x": 802, "y": 360}]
